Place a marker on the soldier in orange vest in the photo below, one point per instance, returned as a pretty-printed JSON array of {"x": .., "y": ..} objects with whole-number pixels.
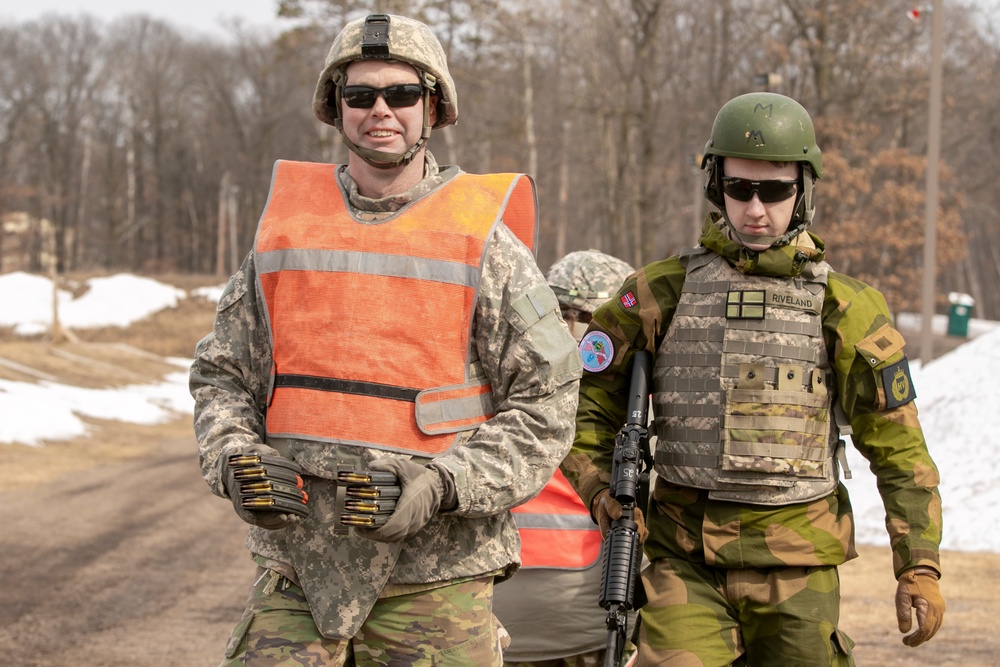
[
  {"x": 390, "y": 317},
  {"x": 550, "y": 607}
]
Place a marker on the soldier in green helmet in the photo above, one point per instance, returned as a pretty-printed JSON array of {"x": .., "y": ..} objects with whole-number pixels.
[
  {"x": 765, "y": 358},
  {"x": 390, "y": 318}
]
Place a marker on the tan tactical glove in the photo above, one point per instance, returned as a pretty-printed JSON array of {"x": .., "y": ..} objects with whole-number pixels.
[
  {"x": 918, "y": 590},
  {"x": 427, "y": 489},
  {"x": 606, "y": 509}
]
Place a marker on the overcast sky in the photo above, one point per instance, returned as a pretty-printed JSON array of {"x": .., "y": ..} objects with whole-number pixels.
[{"x": 207, "y": 16}]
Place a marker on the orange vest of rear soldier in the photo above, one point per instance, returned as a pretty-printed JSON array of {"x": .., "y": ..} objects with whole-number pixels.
[
  {"x": 556, "y": 529},
  {"x": 371, "y": 323}
]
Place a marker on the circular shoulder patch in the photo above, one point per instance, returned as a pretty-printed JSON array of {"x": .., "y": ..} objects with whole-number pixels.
[{"x": 596, "y": 351}]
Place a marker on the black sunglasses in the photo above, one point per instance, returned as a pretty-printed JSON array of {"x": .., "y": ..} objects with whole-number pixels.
[
  {"x": 742, "y": 189},
  {"x": 397, "y": 96}
]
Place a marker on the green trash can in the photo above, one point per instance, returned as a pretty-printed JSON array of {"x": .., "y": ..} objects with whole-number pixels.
[{"x": 959, "y": 313}]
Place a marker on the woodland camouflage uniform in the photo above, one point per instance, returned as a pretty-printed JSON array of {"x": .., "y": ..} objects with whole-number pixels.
[{"x": 683, "y": 522}]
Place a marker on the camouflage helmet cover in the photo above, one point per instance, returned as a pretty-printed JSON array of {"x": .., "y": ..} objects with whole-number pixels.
[
  {"x": 409, "y": 41},
  {"x": 585, "y": 279}
]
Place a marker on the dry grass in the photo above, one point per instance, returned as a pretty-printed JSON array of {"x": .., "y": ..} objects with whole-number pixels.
[{"x": 107, "y": 442}]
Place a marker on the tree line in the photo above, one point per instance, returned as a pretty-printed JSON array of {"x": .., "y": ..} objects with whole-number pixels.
[{"x": 134, "y": 146}]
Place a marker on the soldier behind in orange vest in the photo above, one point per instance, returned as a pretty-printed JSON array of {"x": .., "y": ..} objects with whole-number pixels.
[
  {"x": 550, "y": 607},
  {"x": 390, "y": 316}
]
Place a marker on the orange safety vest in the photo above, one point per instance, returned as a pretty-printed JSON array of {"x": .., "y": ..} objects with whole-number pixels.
[
  {"x": 556, "y": 529},
  {"x": 371, "y": 324}
]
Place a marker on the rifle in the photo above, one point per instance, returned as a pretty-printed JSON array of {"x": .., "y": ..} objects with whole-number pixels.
[{"x": 621, "y": 547}]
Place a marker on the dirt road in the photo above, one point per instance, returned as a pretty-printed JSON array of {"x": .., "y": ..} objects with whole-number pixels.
[{"x": 126, "y": 563}]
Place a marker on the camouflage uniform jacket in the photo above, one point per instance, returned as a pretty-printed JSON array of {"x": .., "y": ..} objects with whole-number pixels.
[
  {"x": 533, "y": 367},
  {"x": 683, "y": 521}
]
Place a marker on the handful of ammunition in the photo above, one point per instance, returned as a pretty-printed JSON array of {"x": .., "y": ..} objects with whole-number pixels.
[
  {"x": 371, "y": 497},
  {"x": 269, "y": 484}
]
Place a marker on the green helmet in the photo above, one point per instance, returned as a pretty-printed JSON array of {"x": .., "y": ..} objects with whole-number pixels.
[
  {"x": 765, "y": 126},
  {"x": 391, "y": 38},
  {"x": 585, "y": 279}
]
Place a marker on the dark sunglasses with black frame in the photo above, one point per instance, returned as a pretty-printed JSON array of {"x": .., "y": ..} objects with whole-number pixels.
[
  {"x": 396, "y": 96},
  {"x": 743, "y": 189}
]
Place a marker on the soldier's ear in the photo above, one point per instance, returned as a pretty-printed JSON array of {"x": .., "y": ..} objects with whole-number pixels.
[{"x": 433, "y": 114}]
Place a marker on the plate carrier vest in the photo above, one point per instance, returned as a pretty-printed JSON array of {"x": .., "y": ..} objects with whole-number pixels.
[{"x": 743, "y": 389}]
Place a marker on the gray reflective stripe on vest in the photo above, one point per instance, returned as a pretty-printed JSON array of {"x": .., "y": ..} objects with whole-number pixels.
[
  {"x": 554, "y": 521},
  {"x": 368, "y": 263},
  {"x": 435, "y": 417}
]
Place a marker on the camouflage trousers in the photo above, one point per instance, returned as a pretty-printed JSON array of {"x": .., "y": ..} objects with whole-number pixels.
[
  {"x": 701, "y": 616},
  {"x": 451, "y": 626}
]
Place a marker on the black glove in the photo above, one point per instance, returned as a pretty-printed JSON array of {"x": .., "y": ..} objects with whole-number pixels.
[
  {"x": 426, "y": 490},
  {"x": 266, "y": 491}
]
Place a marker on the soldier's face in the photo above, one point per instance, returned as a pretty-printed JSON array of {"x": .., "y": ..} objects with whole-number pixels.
[
  {"x": 754, "y": 217},
  {"x": 382, "y": 127}
]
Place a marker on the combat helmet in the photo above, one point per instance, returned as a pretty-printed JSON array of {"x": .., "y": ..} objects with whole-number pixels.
[
  {"x": 390, "y": 38},
  {"x": 585, "y": 279},
  {"x": 765, "y": 126}
]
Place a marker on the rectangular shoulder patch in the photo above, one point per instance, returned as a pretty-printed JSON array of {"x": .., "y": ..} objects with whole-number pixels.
[
  {"x": 881, "y": 345},
  {"x": 532, "y": 306},
  {"x": 898, "y": 385}
]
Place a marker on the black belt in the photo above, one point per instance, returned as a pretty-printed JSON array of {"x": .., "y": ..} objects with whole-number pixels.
[{"x": 356, "y": 387}]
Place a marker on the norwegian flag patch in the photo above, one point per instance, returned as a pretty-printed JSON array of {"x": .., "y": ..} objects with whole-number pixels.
[{"x": 628, "y": 299}]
